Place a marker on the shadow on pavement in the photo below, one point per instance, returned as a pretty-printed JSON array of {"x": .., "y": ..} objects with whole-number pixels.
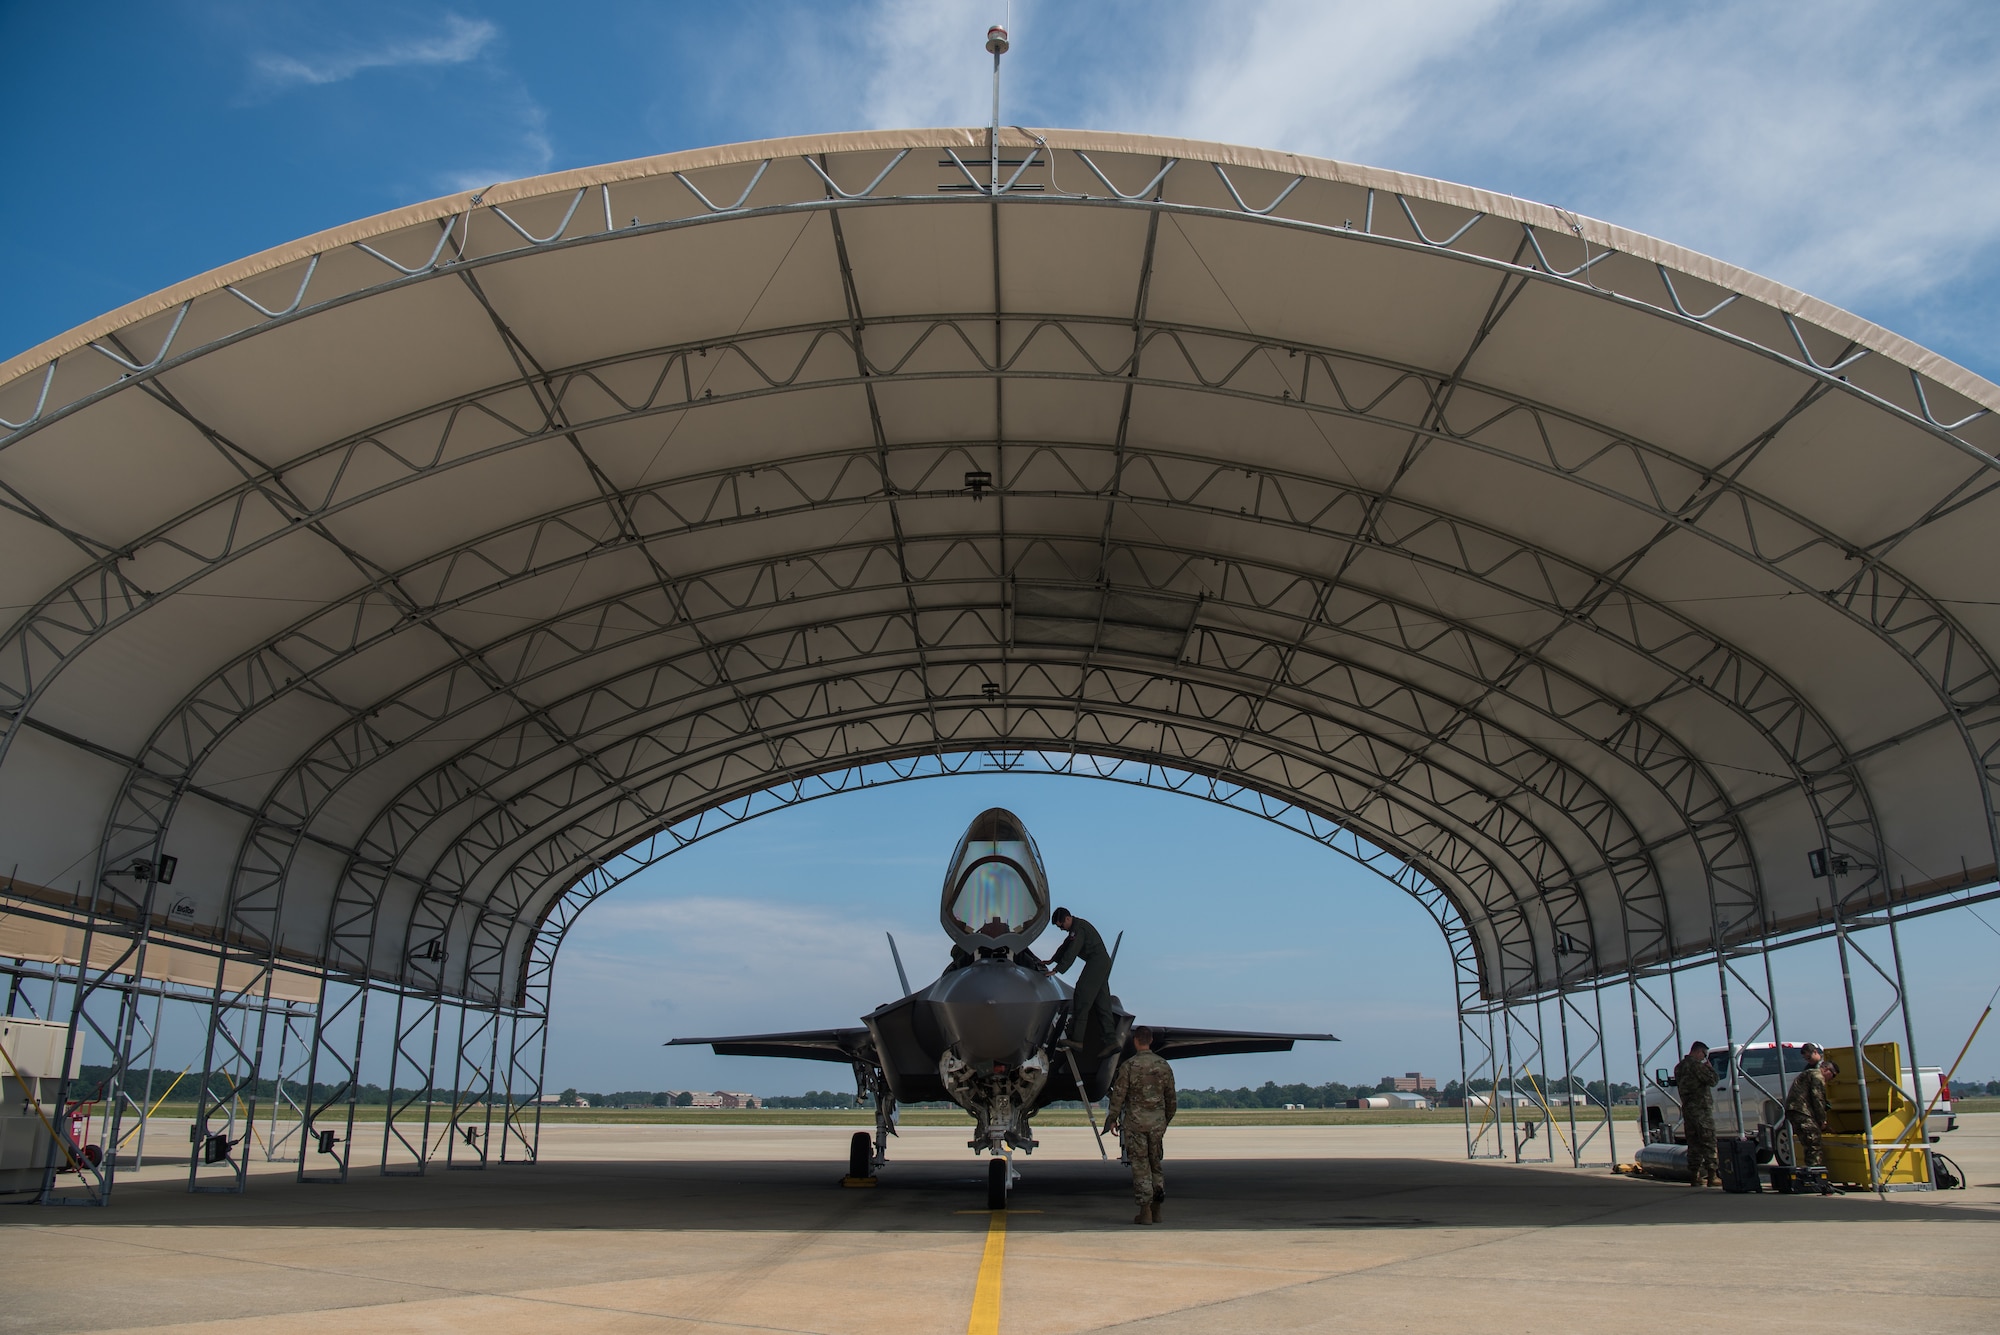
[{"x": 931, "y": 1196}]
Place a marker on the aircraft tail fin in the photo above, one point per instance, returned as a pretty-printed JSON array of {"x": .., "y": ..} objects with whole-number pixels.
[{"x": 897, "y": 955}]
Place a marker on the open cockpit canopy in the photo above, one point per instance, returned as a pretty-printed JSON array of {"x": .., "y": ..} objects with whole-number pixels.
[{"x": 996, "y": 894}]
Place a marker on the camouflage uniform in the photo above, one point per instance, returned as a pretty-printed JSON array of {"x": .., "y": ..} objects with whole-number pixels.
[
  {"x": 1806, "y": 1108},
  {"x": 1695, "y": 1078},
  {"x": 1142, "y": 1103},
  {"x": 1091, "y": 1004}
]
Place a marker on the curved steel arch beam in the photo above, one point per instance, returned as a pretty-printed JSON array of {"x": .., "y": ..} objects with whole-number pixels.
[
  {"x": 553, "y": 927},
  {"x": 1355, "y": 840},
  {"x": 1217, "y": 384},
  {"x": 1620, "y": 852},
  {"x": 1708, "y": 488},
  {"x": 352, "y": 743},
  {"x": 1504, "y": 758},
  {"x": 357, "y": 740},
  {"x": 1436, "y": 798},
  {"x": 1463, "y": 857},
  {"x": 571, "y": 614},
  {"x": 1837, "y": 826},
  {"x": 1632, "y": 739},
  {"x": 1794, "y": 352},
  {"x": 1763, "y": 697}
]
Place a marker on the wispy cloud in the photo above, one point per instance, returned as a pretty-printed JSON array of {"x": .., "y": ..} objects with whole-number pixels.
[
  {"x": 1841, "y": 148},
  {"x": 462, "y": 40},
  {"x": 530, "y": 153}
]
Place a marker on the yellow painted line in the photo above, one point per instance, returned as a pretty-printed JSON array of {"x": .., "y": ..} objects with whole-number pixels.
[{"x": 985, "y": 1319}]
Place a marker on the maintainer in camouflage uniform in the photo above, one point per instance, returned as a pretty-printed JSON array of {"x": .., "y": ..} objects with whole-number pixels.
[
  {"x": 1695, "y": 1078},
  {"x": 1807, "y": 1109},
  {"x": 1142, "y": 1103}
]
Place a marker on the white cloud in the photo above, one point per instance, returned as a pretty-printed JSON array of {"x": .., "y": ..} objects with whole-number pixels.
[
  {"x": 1848, "y": 148},
  {"x": 1840, "y": 148},
  {"x": 532, "y": 153},
  {"x": 462, "y": 40}
]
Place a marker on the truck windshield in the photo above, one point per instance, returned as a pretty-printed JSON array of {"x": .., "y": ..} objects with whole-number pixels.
[{"x": 1760, "y": 1062}]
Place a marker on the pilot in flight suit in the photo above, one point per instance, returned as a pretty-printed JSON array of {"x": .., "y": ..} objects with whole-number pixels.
[{"x": 1090, "y": 1010}]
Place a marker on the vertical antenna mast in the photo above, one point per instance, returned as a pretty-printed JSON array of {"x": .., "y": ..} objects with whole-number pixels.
[{"x": 996, "y": 42}]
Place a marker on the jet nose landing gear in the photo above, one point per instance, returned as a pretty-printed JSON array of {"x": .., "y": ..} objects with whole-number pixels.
[
  {"x": 860, "y": 1161},
  {"x": 998, "y": 1174}
]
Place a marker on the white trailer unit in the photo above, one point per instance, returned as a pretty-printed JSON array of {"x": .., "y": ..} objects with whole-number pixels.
[{"x": 35, "y": 1050}]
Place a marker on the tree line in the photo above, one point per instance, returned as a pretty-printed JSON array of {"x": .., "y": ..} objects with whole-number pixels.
[{"x": 1270, "y": 1094}]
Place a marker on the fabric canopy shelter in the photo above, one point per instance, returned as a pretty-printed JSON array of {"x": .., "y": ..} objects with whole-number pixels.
[{"x": 392, "y": 580}]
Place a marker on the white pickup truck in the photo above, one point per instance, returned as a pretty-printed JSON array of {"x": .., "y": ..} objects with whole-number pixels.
[{"x": 1755, "y": 1077}]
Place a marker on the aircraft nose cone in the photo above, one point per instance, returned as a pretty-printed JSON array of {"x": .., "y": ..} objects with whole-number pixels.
[{"x": 994, "y": 1011}]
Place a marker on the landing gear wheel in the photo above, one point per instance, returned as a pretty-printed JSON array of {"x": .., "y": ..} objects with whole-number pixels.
[
  {"x": 996, "y": 1185},
  {"x": 861, "y": 1155}
]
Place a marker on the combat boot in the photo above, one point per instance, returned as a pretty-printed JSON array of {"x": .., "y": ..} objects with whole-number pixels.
[
  {"x": 1145, "y": 1215},
  {"x": 1159, "y": 1199}
]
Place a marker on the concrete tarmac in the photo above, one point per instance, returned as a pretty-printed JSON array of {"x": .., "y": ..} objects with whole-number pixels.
[{"x": 733, "y": 1228}]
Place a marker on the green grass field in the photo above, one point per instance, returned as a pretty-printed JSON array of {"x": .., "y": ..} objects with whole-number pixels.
[{"x": 950, "y": 1116}]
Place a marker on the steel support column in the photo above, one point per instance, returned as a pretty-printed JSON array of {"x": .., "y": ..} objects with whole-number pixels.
[
  {"x": 1656, "y": 1028},
  {"x": 419, "y": 1019},
  {"x": 333, "y": 1053},
  {"x": 527, "y": 1055},
  {"x": 1888, "y": 987}
]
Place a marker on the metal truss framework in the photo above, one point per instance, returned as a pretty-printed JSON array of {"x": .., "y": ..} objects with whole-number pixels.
[
  {"x": 104, "y": 995},
  {"x": 474, "y": 1102},
  {"x": 1321, "y": 651}
]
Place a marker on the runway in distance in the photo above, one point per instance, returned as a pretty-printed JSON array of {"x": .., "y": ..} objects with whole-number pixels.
[{"x": 984, "y": 1035}]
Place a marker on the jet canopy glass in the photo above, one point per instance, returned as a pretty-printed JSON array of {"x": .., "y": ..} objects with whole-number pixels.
[{"x": 996, "y": 892}]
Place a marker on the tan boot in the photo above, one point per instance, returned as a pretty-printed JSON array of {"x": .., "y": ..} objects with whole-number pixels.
[
  {"x": 1145, "y": 1215},
  {"x": 1157, "y": 1203}
]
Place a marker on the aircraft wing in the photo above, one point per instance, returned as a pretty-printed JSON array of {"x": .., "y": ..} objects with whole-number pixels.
[
  {"x": 1176, "y": 1041},
  {"x": 821, "y": 1045}
]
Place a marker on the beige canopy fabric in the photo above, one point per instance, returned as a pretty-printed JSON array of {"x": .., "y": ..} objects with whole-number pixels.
[
  {"x": 392, "y": 580},
  {"x": 44, "y": 940}
]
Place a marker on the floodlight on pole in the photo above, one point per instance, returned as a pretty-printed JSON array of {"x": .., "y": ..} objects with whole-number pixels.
[{"x": 997, "y": 43}]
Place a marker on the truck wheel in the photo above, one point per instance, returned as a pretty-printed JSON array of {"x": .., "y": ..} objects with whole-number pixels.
[
  {"x": 861, "y": 1155},
  {"x": 996, "y": 1185}
]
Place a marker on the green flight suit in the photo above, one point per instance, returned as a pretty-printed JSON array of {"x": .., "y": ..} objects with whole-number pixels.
[
  {"x": 1142, "y": 1103},
  {"x": 1090, "y": 1019}
]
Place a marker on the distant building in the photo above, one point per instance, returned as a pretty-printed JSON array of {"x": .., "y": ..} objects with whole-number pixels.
[
  {"x": 1505, "y": 1099},
  {"x": 550, "y": 1099},
  {"x": 726, "y": 1098},
  {"x": 1412, "y": 1082},
  {"x": 1396, "y": 1100}
]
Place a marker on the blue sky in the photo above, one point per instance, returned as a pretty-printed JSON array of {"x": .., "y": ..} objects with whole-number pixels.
[{"x": 1850, "y": 149}]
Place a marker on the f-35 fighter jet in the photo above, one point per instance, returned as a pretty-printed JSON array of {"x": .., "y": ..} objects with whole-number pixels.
[{"x": 983, "y": 1035}]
